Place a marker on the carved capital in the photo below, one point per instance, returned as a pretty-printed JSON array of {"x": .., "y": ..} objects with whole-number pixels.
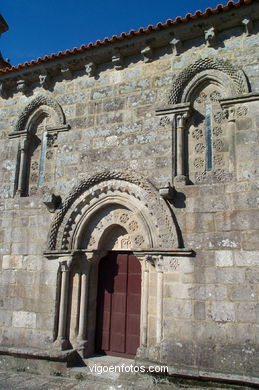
[
  {"x": 65, "y": 265},
  {"x": 230, "y": 113},
  {"x": 52, "y": 139}
]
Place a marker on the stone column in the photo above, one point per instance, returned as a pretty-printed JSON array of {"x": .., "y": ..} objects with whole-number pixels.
[
  {"x": 144, "y": 311},
  {"x": 159, "y": 304},
  {"x": 230, "y": 113},
  {"x": 22, "y": 167},
  {"x": 83, "y": 313},
  {"x": 62, "y": 341},
  {"x": 180, "y": 125}
]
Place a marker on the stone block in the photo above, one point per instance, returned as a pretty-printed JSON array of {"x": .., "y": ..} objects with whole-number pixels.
[
  {"x": 178, "y": 308},
  {"x": 250, "y": 240},
  {"x": 237, "y": 220},
  {"x": 12, "y": 262},
  {"x": 23, "y": 319},
  {"x": 101, "y": 93},
  {"x": 221, "y": 311},
  {"x": 177, "y": 353},
  {"x": 145, "y": 97},
  {"x": 225, "y": 275},
  {"x": 247, "y": 312},
  {"x": 247, "y": 258},
  {"x": 224, "y": 258},
  {"x": 243, "y": 293},
  {"x": 133, "y": 85},
  {"x": 199, "y": 311}
]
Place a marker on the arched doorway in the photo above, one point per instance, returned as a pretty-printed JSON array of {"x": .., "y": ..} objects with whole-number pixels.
[{"x": 118, "y": 304}]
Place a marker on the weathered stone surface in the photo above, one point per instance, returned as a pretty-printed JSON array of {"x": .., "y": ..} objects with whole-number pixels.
[{"x": 199, "y": 307}]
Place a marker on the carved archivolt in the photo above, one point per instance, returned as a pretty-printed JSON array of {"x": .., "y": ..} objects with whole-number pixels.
[
  {"x": 204, "y": 64},
  {"x": 123, "y": 202},
  {"x": 36, "y": 103}
]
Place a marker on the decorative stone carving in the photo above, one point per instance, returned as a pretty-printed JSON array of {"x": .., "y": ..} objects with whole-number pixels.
[
  {"x": 219, "y": 116},
  {"x": 210, "y": 37},
  {"x": 165, "y": 121},
  {"x": 49, "y": 155},
  {"x": 201, "y": 177},
  {"x": 218, "y": 145},
  {"x": 221, "y": 175},
  {"x": 203, "y": 64},
  {"x": 199, "y": 148},
  {"x": 133, "y": 186},
  {"x": 199, "y": 162},
  {"x": 197, "y": 133},
  {"x": 51, "y": 139},
  {"x": 241, "y": 110},
  {"x": 218, "y": 160},
  {"x": 217, "y": 131},
  {"x": 34, "y": 165},
  {"x": 215, "y": 96},
  {"x": 133, "y": 225},
  {"x": 124, "y": 218}
]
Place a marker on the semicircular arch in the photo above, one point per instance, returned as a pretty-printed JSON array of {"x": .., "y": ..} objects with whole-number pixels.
[
  {"x": 46, "y": 104},
  {"x": 236, "y": 79},
  {"x": 103, "y": 200}
]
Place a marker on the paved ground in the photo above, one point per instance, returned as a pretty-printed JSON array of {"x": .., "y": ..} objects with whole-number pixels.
[
  {"x": 90, "y": 378},
  {"x": 25, "y": 381}
]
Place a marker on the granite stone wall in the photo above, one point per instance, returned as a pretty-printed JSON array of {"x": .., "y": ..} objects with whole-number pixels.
[{"x": 210, "y": 300}]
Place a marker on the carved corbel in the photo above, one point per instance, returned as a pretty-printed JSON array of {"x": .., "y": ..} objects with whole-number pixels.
[
  {"x": 22, "y": 86},
  {"x": 66, "y": 72},
  {"x": 176, "y": 45},
  {"x": 118, "y": 61},
  {"x": 52, "y": 202},
  {"x": 90, "y": 69},
  {"x": 3, "y": 91},
  {"x": 44, "y": 79},
  {"x": 248, "y": 25},
  {"x": 210, "y": 37},
  {"x": 167, "y": 192},
  {"x": 147, "y": 53}
]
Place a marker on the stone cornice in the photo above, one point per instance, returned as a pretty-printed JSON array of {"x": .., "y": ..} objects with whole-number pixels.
[{"x": 32, "y": 76}]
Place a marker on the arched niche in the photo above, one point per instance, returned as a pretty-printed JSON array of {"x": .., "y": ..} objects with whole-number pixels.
[
  {"x": 204, "y": 138},
  {"x": 36, "y": 130}
]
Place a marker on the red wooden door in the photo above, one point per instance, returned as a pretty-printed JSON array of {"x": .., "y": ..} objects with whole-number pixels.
[{"x": 118, "y": 305}]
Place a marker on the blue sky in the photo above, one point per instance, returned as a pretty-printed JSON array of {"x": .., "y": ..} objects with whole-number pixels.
[{"x": 39, "y": 28}]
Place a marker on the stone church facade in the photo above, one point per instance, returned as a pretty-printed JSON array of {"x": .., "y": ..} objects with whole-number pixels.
[{"x": 139, "y": 150}]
